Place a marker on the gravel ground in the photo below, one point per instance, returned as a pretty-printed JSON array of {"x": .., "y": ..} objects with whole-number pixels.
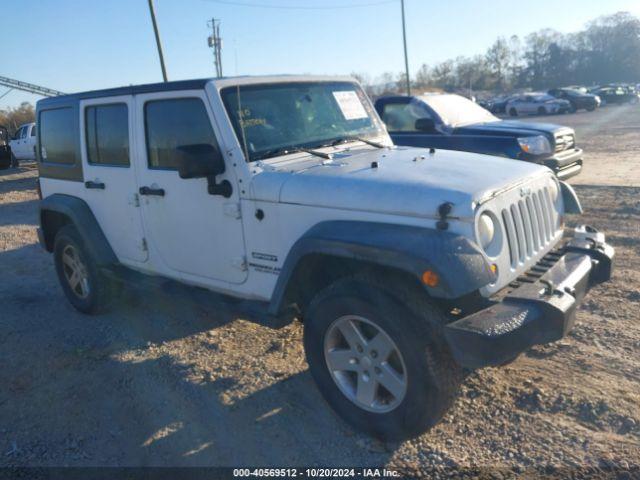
[{"x": 178, "y": 377}]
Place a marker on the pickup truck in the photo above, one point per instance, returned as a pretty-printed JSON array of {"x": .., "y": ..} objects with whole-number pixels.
[
  {"x": 23, "y": 143},
  {"x": 452, "y": 122}
]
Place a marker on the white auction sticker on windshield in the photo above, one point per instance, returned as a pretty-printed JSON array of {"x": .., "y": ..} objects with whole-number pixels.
[{"x": 350, "y": 105}]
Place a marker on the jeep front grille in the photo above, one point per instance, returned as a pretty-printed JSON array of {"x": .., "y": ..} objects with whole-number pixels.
[
  {"x": 530, "y": 224},
  {"x": 564, "y": 142}
]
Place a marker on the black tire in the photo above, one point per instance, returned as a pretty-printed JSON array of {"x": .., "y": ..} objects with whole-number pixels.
[
  {"x": 573, "y": 108},
  {"x": 101, "y": 290},
  {"x": 542, "y": 111},
  {"x": 513, "y": 112},
  {"x": 432, "y": 376},
  {"x": 14, "y": 161},
  {"x": 591, "y": 108}
]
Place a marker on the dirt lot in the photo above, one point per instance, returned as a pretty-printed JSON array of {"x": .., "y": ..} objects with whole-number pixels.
[{"x": 175, "y": 377}]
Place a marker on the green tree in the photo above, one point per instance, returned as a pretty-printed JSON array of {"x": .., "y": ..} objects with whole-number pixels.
[{"x": 12, "y": 118}]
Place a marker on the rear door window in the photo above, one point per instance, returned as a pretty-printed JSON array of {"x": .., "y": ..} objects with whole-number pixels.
[{"x": 107, "y": 134}]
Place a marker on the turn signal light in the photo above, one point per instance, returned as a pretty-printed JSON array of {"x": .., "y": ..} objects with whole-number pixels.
[
  {"x": 494, "y": 268},
  {"x": 430, "y": 278}
]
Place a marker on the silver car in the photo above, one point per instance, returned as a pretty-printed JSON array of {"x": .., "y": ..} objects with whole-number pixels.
[{"x": 536, "y": 104}]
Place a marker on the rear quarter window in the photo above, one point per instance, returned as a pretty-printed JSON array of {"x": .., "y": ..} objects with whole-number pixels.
[{"x": 57, "y": 136}]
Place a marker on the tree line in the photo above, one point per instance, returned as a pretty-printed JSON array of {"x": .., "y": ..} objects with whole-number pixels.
[
  {"x": 606, "y": 51},
  {"x": 12, "y": 118}
]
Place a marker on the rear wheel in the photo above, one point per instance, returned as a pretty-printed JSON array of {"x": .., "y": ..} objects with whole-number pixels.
[
  {"x": 383, "y": 368},
  {"x": 542, "y": 111},
  {"x": 513, "y": 112},
  {"x": 86, "y": 288}
]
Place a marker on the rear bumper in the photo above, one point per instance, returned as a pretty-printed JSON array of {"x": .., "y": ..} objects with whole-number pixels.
[
  {"x": 565, "y": 164},
  {"x": 540, "y": 310}
]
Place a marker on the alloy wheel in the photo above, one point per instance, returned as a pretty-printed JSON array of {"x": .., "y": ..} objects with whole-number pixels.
[
  {"x": 75, "y": 271},
  {"x": 365, "y": 363}
]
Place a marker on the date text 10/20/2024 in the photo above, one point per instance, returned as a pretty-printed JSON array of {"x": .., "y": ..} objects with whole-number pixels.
[{"x": 316, "y": 472}]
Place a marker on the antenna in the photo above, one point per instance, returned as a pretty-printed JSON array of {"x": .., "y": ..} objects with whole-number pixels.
[{"x": 214, "y": 41}]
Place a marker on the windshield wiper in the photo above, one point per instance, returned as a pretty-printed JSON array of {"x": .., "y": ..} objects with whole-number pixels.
[
  {"x": 359, "y": 139},
  {"x": 286, "y": 151}
]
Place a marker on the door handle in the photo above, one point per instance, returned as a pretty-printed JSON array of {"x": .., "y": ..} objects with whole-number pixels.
[
  {"x": 159, "y": 192},
  {"x": 95, "y": 185}
]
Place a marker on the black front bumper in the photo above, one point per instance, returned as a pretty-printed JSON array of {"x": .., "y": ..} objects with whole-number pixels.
[
  {"x": 535, "y": 312},
  {"x": 565, "y": 164}
]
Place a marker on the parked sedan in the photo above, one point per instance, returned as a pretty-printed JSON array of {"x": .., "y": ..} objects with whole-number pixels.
[
  {"x": 578, "y": 99},
  {"x": 536, "y": 103},
  {"x": 497, "y": 104},
  {"x": 617, "y": 94},
  {"x": 452, "y": 122}
]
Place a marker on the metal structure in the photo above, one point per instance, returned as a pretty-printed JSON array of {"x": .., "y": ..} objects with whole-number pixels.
[
  {"x": 214, "y": 41},
  {"x": 28, "y": 87}
]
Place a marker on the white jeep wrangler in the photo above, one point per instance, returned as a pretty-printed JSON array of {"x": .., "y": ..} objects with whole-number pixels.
[{"x": 405, "y": 265}]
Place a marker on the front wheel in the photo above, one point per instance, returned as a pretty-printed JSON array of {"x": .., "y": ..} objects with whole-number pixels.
[
  {"x": 15, "y": 163},
  {"x": 383, "y": 368},
  {"x": 513, "y": 112},
  {"x": 542, "y": 111}
]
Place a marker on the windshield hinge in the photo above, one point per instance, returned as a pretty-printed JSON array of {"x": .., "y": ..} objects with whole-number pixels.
[{"x": 232, "y": 210}]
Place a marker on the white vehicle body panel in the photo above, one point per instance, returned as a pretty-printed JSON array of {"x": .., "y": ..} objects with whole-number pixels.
[
  {"x": 116, "y": 206},
  {"x": 190, "y": 231}
]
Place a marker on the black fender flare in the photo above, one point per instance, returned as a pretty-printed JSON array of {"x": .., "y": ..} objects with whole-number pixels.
[
  {"x": 81, "y": 216},
  {"x": 459, "y": 263}
]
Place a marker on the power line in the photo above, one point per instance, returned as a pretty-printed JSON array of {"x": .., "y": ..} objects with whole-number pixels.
[{"x": 302, "y": 7}]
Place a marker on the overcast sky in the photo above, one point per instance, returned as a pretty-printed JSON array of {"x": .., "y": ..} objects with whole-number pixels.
[{"x": 75, "y": 45}]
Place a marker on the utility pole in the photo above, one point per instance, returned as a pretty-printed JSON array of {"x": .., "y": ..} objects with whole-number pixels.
[
  {"x": 406, "y": 58},
  {"x": 215, "y": 42},
  {"x": 158, "y": 43}
]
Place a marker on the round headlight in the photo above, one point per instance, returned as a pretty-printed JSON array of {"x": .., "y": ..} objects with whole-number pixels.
[{"x": 486, "y": 230}]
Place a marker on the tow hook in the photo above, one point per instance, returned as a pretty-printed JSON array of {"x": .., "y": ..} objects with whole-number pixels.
[{"x": 551, "y": 288}]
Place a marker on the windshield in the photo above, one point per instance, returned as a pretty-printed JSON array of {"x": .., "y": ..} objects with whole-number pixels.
[
  {"x": 272, "y": 118},
  {"x": 455, "y": 110}
]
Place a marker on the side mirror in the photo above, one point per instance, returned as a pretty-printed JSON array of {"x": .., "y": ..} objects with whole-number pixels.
[
  {"x": 199, "y": 161},
  {"x": 425, "y": 125},
  {"x": 204, "y": 161}
]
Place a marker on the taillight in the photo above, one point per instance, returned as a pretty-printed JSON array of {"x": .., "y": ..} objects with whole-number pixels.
[{"x": 39, "y": 189}]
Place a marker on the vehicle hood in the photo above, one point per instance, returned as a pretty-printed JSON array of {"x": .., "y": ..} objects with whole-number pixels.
[
  {"x": 406, "y": 181},
  {"x": 514, "y": 128}
]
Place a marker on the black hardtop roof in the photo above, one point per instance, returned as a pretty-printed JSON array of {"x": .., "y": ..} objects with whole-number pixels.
[{"x": 129, "y": 90}]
